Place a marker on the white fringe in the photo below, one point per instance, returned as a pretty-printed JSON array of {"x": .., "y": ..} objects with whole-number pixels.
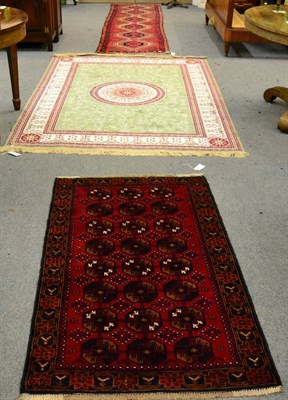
[{"x": 152, "y": 396}]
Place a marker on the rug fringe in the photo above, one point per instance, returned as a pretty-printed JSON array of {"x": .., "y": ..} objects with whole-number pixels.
[
  {"x": 126, "y": 55},
  {"x": 132, "y": 176},
  {"x": 153, "y": 396},
  {"x": 115, "y": 152}
]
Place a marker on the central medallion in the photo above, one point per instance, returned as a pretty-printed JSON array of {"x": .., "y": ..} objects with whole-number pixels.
[{"x": 127, "y": 93}]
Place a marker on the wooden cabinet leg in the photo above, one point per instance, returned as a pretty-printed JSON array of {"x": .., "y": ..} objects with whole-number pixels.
[
  {"x": 50, "y": 43},
  {"x": 226, "y": 48},
  {"x": 56, "y": 38},
  {"x": 13, "y": 68}
]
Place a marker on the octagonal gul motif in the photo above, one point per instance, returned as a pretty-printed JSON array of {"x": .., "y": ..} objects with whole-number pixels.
[
  {"x": 99, "y": 351},
  {"x": 100, "y": 268},
  {"x": 138, "y": 267},
  {"x": 140, "y": 292},
  {"x": 193, "y": 350},
  {"x": 176, "y": 266},
  {"x": 172, "y": 245},
  {"x": 164, "y": 207},
  {"x": 132, "y": 208},
  {"x": 146, "y": 352},
  {"x": 161, "y": 192},
  {"x": 167, "y": 225},
  {"x": 134, "y": 227},
  {"x": 97, "y": 227},
  {"x": 181, "y": 290},
  {"x": 130, "y": 193},
  {"x": 100, "y": 247},
  {"x": 187, "y": 319},
  {"x": 102, "y": 292},
  {"x": 99, "y": 194},
  {"x": 99, "y": 320},
  {"x": 100, "y": 209},
  {"x": 135, "y": 246},
  {"x": 143, "y": 320}
]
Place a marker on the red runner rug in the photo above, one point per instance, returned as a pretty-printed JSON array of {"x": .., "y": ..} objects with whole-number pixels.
[
  {"x": 133, "y": 28},
  {"x": 140, "y": 292}
]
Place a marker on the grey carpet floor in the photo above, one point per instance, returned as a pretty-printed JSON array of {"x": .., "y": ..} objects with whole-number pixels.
[{"x": 251, "y": 193}]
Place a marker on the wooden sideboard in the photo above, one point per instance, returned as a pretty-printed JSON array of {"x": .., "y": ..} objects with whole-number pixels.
[
  {"x": 44, "y": 19},
  {"x": 229, "y": 22}
]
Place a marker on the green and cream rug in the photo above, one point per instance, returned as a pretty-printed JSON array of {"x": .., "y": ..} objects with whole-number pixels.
[{"x": 126, "y": 105}]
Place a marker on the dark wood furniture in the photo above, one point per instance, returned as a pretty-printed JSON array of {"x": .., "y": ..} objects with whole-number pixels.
[
  {"x": 229, "y": 22},
  {"x": 174, "y": 3},
  {"x": 12, "y": 30},
  {"x": 270, "y": 22},
  {"x": 45, "y": 19}
]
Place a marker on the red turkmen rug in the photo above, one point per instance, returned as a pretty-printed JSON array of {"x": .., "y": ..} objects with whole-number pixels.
[
  {"x": 133, "y": 28},
  {"x": 140, "y": 293}
]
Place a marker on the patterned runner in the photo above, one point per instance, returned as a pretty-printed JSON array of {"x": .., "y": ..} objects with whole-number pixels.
[
  {"x": 140, "y": 293},
  {"x": 133, "y": 28}
]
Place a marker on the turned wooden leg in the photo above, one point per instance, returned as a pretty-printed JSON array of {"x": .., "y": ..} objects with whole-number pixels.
[{"x": 13, "y": 68}]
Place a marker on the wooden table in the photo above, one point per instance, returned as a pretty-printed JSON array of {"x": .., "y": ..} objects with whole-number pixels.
[
  {"x": 265, "y": 22},
  {"x": 12, "y": 30}
]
